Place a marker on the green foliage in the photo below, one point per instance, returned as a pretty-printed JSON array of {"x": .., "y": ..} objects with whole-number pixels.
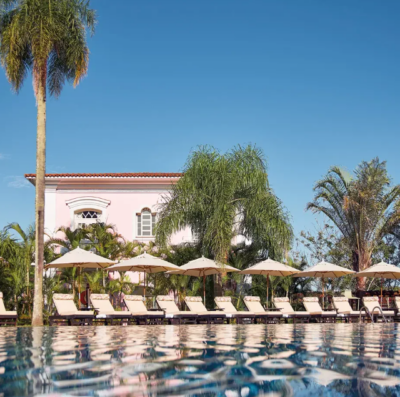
[
  {"x": 365, "y": 208},
  {"x": 47, "y": 37},
  {"x": 222, "y": 196}
]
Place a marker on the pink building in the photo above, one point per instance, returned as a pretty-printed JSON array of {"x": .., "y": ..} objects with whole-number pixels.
[{"x": 127, "y": 200}]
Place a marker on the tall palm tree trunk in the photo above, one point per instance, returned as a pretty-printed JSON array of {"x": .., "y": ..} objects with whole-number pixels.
[
  {"x": 37, "y": 316},
  {"x": 357, "y": 267}
]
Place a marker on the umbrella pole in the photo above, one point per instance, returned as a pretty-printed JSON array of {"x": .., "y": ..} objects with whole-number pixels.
[
  {"x": 204, "y": 289},
  {"x": 381, "y": 291},
  {"x": 323, "y": 294},
  {"x": 79, "y": 287},
  {"x": 144, "y": 285},
  {"x": 267, "y": 291}
]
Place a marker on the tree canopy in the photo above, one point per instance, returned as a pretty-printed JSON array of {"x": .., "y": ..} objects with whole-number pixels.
[
  {"x": 364, "y": 207},
  {"x": 222, "y": 197}
]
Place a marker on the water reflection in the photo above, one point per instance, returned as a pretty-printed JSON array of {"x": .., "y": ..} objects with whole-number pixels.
[{"x": 200, "y": 360}]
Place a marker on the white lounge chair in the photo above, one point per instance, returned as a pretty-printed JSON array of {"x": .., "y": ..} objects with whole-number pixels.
[
  {"x": 342, "y": 305},
  {"x": 139, "y": 312},
  {"x": 286, "y": 308},
  {"x": 314, "y": 308},
  {"x": 195, "y": 305},
  {"x": 172, "y": 313},
  {"x": 67, "y": 313},
  {"x": 372, "y": 304},
  {"x": 7, "y": 317},
  {"x": 253, "y": 304},
  {"x": 102, "y": 305},
  {"x": 225, "y": 303}
]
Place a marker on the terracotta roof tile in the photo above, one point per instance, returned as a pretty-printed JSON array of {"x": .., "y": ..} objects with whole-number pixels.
[{"x": 113, "y": 175}]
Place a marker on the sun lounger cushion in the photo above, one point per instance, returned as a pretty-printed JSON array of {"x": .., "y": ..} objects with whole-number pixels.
[
  {"x": 65, "y": 305},
  {"x": 313, "y": 307},
  {"x": 225, "y": 303},
  {"x": 342, "y": 305},
  {"x": 101, "y": 302},
  {"x": 397, "y": 302},
  {"x": 371, "y": 302},
  {"x": 253, "y": 304},
  {"x": 167, "y": 303},
  {"x": 3, "y": 311},
  {"x": 136, "y": 306},
  {"x": 286, "y": 308},
  {"x": 195, "y": 305}
]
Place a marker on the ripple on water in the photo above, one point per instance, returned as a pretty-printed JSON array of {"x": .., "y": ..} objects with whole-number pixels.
[{"x": 212, "y": 360}]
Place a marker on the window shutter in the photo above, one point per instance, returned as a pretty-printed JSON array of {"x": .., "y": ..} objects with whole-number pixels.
[
  {"x": 153, "y": 224},
  {"x": 139, "y": 225}
]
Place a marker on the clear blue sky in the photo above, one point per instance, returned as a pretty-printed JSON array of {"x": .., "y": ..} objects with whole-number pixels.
[{"x": 313, "y": 83}]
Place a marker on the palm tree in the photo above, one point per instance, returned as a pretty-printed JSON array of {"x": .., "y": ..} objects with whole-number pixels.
[
  {"x": 121, "y": 285},
  {"x": 47, "y": 37},
  {"x": 106, "y": 241},
  {"x": 73, "y": 238},
  {"x": 27, "y": 249},
  {"x": 365, "y": 208},
  {"x": 224, "y": 196}
]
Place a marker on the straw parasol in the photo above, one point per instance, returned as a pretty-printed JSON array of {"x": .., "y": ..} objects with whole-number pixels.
[
  {"x": 203, "y": 267},
  {"x": 268, "y": 268},
  {"x": 144, "y": 263},
  {"x": 324, "y": 270},
  {"x": 381, "y": 270},
  {"x": 80, "y": 259}
]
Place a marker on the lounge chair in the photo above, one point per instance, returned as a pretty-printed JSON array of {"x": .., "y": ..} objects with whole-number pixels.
[
  {"x": 342, "y": 305},
  {"x": 139, "y": 311},
  {"x": 253, "y": 304},
  {"x": 286, "y": 308},
  {"x": 314, "y": 308},
  {"x": 397, "y": 304},
  {"x": 104, "y": 310},
  {"x": 67, "y": 313},
  {"x": 372, "y": 304},
  {"x": 172, "y": 313},
  {"x": 7, "y": 317},
  {"x": 225, "y": 303},
  {"x": 195, "y": 305}
]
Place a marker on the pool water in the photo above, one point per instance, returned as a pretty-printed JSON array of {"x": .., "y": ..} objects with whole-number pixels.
[{"x": 202, "y": 360}]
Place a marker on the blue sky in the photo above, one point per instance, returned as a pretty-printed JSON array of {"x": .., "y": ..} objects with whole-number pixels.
[{"x": 313, "y": 83}]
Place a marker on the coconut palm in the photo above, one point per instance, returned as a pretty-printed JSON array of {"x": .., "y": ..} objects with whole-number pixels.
[
  {"x": 224, "y": 196},
  {"x": 365, "y": 208},
  {"x": 47, "y": 38}
]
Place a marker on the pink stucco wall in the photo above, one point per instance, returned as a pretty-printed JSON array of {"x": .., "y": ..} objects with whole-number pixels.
[{"x": 121, "y": 211}]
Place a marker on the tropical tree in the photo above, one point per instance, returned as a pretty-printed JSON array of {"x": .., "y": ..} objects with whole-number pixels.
[
  {"x": 48, "y": 38},
  {"x": 120, "y": 286},
  {"x": 222, "y": 196},
  {"x": 73, "y": 238},
  {"x": 26, "y": 251},
  {"x": 105, "y": 240},
  {"x": 365, "y": 208}
]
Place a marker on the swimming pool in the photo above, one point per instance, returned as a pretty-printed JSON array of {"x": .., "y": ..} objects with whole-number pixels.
[{"x": 202, "y": 360}]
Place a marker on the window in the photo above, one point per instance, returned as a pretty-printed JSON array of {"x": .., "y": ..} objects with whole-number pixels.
[
  {"x": 87, "y": 217},
  {"x": 146, "y": 221}
]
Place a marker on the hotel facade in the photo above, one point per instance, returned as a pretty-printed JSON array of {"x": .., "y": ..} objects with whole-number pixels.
[{"x": 129, "y": 201}]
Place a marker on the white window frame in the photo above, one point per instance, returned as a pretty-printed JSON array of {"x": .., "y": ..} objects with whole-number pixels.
[
  {"x": 88, "y": 203},
  {"x": 86, "y": 221},
  {"x": 139, "y": 223}
]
